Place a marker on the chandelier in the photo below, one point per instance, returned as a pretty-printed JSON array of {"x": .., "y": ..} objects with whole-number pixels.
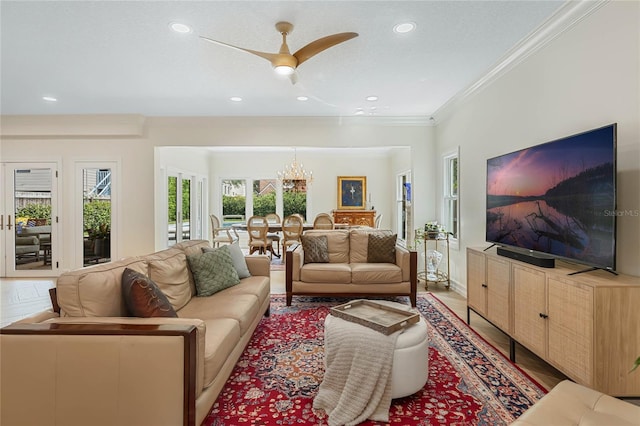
[{"x": 293, "y": 173}]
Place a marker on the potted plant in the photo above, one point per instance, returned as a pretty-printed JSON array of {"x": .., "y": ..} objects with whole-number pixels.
[
  {"x": 97, "y": 227},
  {"x": 432, "y": 231}
]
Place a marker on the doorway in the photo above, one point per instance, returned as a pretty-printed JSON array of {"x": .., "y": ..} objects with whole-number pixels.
[{"x": 29, "y": 220}]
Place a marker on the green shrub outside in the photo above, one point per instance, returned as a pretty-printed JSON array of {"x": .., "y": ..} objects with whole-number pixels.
[
  {"x": 97, "y": 218},
  {"x": 233, "y": 205},
  {"x": 35, "y": 211},
  {"x": 294, "y": 202}
]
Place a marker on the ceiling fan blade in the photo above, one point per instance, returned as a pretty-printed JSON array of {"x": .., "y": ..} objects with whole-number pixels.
[
  {"x": 321, "y": 44},
  {"x": 268, "y": 56}
]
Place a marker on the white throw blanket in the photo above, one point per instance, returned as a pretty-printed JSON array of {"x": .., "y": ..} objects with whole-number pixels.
[{"x": 357, "y": 379}]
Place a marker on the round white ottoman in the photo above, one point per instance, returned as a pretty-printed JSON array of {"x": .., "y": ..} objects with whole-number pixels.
[
  {"x": 410, "y": 360},
  {"x": 410, "y": 369}
]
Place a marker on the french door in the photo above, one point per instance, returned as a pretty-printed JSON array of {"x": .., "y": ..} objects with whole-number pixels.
[
  {"x": 185, "y": 207},
  {"x": 29, "y": 240}
]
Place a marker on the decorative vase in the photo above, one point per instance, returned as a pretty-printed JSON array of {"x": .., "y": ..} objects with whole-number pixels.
[{"x": 434, "y": 258}]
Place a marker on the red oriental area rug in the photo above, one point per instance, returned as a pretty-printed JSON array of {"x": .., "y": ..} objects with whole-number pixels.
[{"x": 278, "y": 375}]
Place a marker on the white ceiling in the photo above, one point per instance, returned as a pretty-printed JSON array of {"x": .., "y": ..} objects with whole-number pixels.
[{"x": 105, "y": 57}]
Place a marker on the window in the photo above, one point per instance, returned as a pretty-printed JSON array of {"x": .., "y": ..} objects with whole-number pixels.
[
  {"x": 264, "y": 197},
  {"x": 234, "y": 207},
  {"x": 403, "y": 206},
  {"x": 451, "y": 208},
  {"x": 294, "y": 198}
]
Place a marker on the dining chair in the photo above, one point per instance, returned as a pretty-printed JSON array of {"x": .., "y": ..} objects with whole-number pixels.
[
  {"x": 257, "y": 228},
  {"x": 323, "y": 221},
  {"x": 378, "y": 220},
  {"x": 291, "y": 232},
  {"x": 275, "y": 236},
  {"x": 221, "y": 234}
]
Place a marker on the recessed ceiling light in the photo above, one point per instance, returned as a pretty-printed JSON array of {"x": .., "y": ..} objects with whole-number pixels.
[
  {"x": 372, "y": 98},
  {"x": 404, "y": 27},
  {"x": 302, "y": 98},
  {"x": 180, "y": 28},
  {"x": 359, "y": 111},
  {"x": 49, "y": 99},
  {"x": 235, "y": 99}
]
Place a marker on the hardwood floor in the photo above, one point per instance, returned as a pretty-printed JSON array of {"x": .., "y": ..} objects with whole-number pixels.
[{"x": 20, "y": 298}]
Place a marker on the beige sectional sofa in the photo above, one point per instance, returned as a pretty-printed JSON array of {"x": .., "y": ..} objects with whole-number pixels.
[
  {"x": 91, "y": 364},
  {"x": 572, "y": 404},
  {"x": 347, "y": 272}
]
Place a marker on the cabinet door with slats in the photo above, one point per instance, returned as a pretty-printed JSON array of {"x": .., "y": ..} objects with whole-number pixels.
[
  {"x": 498, "y": 291},
  {"x": 571, "y": 328},
  {"x": 476, "y": 290},
  {"x": 530, "y": 310}
]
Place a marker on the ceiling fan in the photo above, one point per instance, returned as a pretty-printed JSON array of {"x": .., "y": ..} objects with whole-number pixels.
[{"x": 283, "y": 62}]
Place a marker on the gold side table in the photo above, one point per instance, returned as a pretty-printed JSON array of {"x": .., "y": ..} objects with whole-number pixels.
[{"x": 436, "y": 257}]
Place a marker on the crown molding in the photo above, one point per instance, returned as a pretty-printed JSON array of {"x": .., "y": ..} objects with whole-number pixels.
[
  {"x": 285, "y": 121},
  {"x": 565, "y": 18}
]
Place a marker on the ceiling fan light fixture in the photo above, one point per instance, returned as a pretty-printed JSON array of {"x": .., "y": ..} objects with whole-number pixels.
[{"x": 284, "y": 69}]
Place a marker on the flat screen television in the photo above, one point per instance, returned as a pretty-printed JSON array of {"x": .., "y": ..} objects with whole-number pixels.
[{"x": 557, "y": 199}]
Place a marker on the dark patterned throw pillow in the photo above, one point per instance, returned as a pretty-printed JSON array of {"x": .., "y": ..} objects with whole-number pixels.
[
  {"x": 213, "y": 271},
  {"x": 316, "y": 248},
  {"x": 381, "y": 248},
  {"x": 143, "y": 298}
]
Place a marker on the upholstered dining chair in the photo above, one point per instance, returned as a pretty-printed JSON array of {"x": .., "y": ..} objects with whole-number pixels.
[
  {"x": 323, "y": 221},
  {"x": 257, "y": 228},
  {"x": 300, "y": 216},
  {"x": 275, "y": 236},
  {"x": 292, "y": 227},
  {"x": 220, "y": 234},
  {"x": 378, "y": 220}
]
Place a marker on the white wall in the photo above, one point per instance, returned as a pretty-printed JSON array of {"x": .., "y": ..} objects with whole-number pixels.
[
  {"x": 586, "y": 78},
  {"x": 134, "y": 142},
  {"x": 326, "y": 166}
]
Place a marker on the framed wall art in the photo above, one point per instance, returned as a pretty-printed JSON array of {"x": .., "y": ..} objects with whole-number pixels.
[{"x": 352, "y": 192}]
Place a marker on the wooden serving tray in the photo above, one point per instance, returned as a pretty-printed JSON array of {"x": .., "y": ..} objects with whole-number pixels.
[{"x": 378, "y": 316}]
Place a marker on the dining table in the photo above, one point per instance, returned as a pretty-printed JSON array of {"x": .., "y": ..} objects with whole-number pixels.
[{"x": 273, "y": 226}]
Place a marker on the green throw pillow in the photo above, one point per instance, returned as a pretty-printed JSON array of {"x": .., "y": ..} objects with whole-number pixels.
[
  {"x": 381, "y": 248},
  {"x": 316, "y": 248},
  {"x": 213, "y": 271},
  {"x": 239, "y": 262}
]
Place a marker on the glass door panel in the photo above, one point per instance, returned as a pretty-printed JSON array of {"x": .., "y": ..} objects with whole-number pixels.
[
  {"x": 28, "y": 223},
  {"x": 179, "y": 209},
  {"x": 186, "y": 209},
  {"x": 96, "y": 215},
  {"x": 172, "y": 213}
]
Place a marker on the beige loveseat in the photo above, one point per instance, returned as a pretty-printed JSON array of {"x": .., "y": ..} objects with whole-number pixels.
[
  {"x": 89, "y": 364},
  {"x": 348, "y": 273},
  {"x": 572, "y": 404}
]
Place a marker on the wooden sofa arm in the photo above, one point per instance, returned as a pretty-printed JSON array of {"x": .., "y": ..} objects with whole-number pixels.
[{"x": 81, "y": 373}]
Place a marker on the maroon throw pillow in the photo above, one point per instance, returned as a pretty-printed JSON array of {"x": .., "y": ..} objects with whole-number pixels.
[{"x": 143, "y": 298}]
